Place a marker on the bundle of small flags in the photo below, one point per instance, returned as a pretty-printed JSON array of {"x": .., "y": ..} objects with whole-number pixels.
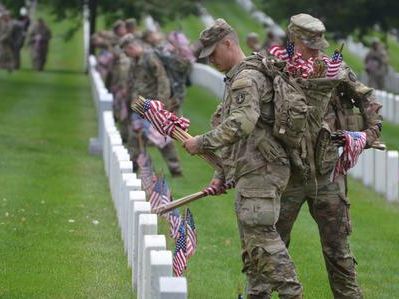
[
  {"x": 164, "y": 121},
  {"x": 149, "y": 132},
  {"x": 307, "y": 68},
  {"x": 353, "y": 147},
  {"x": 186, "y": 243}
]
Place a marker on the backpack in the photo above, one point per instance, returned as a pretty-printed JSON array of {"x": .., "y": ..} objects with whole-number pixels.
[
  {"x": 299, "y": 108},
  {"x": 177, "y": 69}
]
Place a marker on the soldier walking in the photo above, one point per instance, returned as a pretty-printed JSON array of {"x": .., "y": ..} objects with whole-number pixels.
[
  {"x": 6, "y": 42},
  {"x": 376, "y": 62},
  {"x": 147, "y": 77},
  {"x": 260, "y": 178},
  {"x": 39, "y": 39}
]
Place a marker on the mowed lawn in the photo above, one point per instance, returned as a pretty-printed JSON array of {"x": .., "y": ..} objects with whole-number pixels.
[{"x": 58, "y": 233}]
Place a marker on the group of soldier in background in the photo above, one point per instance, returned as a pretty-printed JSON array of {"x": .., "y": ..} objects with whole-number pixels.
[
  {"x": 14, "y": 32},
  {"x": 149, "y": 64},
  {"x": 377, "y": 64}
]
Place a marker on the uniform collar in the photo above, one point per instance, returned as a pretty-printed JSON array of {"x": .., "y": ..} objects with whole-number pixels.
[{"x": 232, "y": 71}]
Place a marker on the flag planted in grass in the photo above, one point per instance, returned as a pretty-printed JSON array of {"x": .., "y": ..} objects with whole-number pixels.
[
  {"x": 180, "y": 254},
  {"x": 174, "y": 223},
  {"x": 191, "y": 234}
]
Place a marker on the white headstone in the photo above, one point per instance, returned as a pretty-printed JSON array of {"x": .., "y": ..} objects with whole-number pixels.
[
  {"x": 392, "y": 176},
  {"x": 151, "y": 242},
  {"x": 130, "y": 185},
  {"x": 173, "y": 288},
  {"x": 357, "y": 171},
  {"x": 148, "y": 225},
  {"x": 138, "y": 209},
  {"x": 160, "y": 266},
  {"x": 380, "y": 166},
  {"x": 368, "y": 164},
  {"x": 134, "y": 196},
  {"x": 396, "y": 114}
]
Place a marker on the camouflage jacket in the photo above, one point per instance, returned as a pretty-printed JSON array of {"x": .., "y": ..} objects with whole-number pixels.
[
  {"x": 244, "y": 133},
  {"x": 147, "y": 77},
  {"x": 353, "y": 107}
]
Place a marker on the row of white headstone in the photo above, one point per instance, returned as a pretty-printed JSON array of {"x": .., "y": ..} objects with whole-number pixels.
[
  {"x": 146, "y": 251},
  {"x": 377, "y": 169}
]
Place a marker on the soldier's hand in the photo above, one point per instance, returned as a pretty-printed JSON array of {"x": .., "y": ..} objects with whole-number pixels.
[
  {"x": 192, "y": 145},
  {"x": 338, "y": 138},
  {"x": 216, "y": 187}
]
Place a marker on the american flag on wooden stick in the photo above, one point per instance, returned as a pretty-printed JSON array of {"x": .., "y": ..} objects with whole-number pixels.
[
  {"x": 174, "y": 223},
  {"x": 191, "y": 234},
  {"x": 164, "y": 121},
  {"x": 180, "y": 254}
]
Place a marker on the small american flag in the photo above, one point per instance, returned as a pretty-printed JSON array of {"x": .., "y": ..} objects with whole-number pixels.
[
  {"x": 180, "y": 254},
  {"x": 334, "y": 64},
  {"x": 174, "y": 222},
  {"x": 353, "y": 147},
  {"x": 283, "y": 53},
  {"x": 156, "y": 196},
  {"x": 191, "y": 234},
  {"x": 146, "y": 171}
]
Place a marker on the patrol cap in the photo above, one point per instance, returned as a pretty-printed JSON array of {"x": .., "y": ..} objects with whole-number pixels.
[
  {"x": 129, "y": 39},
  {"x": 210, "y": 36},
  {"x": 131, "y": 22},
  {"x": 308, "y": 29},
  {"x": 117, "y": 24},
  {"x": 252, "y": 35}
]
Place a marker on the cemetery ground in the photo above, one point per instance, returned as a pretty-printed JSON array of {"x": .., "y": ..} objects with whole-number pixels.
[{"x": 58, "y": 230}]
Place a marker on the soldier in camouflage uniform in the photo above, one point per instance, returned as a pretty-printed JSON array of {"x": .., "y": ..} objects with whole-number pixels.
[
  {"x": 376, "y": 65},
  {"x": 327, "y": 201},
  {"x": 245, "y": 126},
  {"x": 147, "y": 77},
  {"x": 39, "y": 39},
  {"x": 6, "y": 53}
]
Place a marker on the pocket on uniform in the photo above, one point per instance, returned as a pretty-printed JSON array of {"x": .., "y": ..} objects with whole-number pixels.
[
  {"x": 346, "y": 214},
  {"x": 258, "y": 207}
]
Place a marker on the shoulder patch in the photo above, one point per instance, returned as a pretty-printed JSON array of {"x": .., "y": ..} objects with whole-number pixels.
[
  {"x": 352, "y": 76},
  {"x": 241, "y": 83}
]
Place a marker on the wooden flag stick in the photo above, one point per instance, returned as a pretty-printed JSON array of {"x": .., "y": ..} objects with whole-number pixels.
[
  {"x": 179, "y": 202},
  {"x": 180, "y": 135},
  {"x": 187, "y": 199}
]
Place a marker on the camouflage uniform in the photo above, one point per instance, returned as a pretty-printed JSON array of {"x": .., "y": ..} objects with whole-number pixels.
[
  {"x": 259, "y": 165},
  {"x": 327, "y": 200},
  {"x": 39, "y": 38},
  {"x": 376, "y": 62},
  {"x": 147, "y": 77},
  {"x": 6, "y": 53}
]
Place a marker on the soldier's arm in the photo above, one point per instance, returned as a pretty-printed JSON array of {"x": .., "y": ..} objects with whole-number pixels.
[
  {"x": 244, "y": 113},
  {"x": 163, "y": 85},
  {"x": 365, "y": 100}
]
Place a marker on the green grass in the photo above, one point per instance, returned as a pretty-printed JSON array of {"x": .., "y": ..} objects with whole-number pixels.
[
  {"x": 390, "y": 136},
  {"x": 237, "y": 18},
  {"x": 51, "y": 190},
  {"x": 393, "y": 51},
  {"x": 191, "y": 25}
]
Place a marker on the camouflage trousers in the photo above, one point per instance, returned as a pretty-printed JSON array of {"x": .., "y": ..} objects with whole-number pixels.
[
  {"x": 169, "y": 152},
  {"x": 267, "y": 264},
  {"x": 329, "y": 207}
]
